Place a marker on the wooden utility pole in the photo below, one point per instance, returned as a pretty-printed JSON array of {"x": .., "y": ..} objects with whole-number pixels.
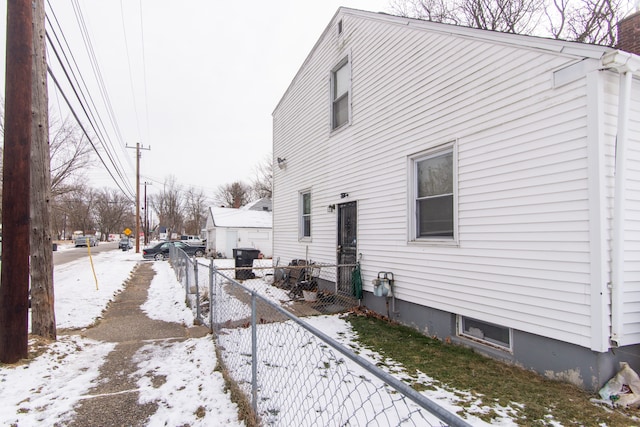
[
  {"x": 14, "y": 279},
  {"x": 138, "y": 197},
  {"x": 146, "y": 215},
  {"x": 138, "y": 155},
  {"x": 43, "y": 319}
]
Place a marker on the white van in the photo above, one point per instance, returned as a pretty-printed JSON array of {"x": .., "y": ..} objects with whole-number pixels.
[{"x": 191, "y": 240}]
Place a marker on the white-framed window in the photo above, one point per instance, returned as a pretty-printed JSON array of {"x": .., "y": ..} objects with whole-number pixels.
[
  {"x": 485, "y": 332},
  {"x": 305, "y": 215},
  {"x": 433, "y": 204},
  {"x": 341, "y": 94}
]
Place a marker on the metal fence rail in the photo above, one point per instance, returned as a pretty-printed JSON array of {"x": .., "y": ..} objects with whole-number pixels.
[{"x": 292, "y": 372}]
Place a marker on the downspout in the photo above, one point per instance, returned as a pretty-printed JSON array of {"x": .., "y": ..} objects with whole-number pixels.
[
  {"x": 623, "y": 63},
  {"x": 619, "y": 212}
]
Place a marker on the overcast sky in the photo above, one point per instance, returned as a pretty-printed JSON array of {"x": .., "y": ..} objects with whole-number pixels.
[{"x": 195, "y": 80}]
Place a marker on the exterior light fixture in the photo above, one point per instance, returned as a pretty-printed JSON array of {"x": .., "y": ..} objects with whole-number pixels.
[
  {"x": 343, "y": 195},
  {"x": 282, "y": 162},
  {"x": 331, "y": 208}
]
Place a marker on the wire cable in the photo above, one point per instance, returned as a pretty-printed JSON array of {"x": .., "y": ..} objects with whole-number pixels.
[
  {"x": 86, "y": 101},
  {"x": 87, "y": 114},
  {"x": 55, "y": 80},
  {"x": 133, "y": 92}
]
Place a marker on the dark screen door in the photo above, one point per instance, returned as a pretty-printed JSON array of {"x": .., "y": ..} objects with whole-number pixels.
[{"x": 347, "y": 244}]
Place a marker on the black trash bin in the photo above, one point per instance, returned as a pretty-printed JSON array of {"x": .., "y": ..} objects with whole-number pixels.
[{"x": 244, "y": 258}]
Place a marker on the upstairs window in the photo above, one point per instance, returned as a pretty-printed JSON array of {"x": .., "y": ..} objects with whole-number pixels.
[
  {"x": 305, "y": 215},
  {"x": 340, "y": 94},
  {"x": 434, "y": 204}
]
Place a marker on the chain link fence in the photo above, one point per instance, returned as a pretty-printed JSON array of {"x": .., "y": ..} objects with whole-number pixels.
[{"x": 290, "y": 371}]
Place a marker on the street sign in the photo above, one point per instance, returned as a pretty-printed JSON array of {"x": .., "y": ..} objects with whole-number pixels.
[{"x": 127, "y": 232}]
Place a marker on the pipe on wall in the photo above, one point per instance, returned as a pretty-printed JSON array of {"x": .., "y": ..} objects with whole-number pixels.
[
  {"x": 619, "y": 216},
  {"x": 627, "y": 65}
]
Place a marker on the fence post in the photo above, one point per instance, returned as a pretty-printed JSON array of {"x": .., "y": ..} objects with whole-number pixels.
[
  {"x": 186, "y": 287},
  {"x": 195, "y": 277},
  {"x": 254, "y": 353},
  {"x": 211, "y": 305}
]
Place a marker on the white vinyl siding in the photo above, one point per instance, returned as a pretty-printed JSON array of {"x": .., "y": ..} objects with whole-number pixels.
[
  {"x": 631, "y": 295},
  {"x": 523, "y": 253}
]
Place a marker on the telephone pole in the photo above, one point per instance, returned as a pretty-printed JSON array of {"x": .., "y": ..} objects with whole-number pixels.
[
  {"x": 43, "y": 319},
  {"x": 146, "y": 214},
  {"x": 138, "y": 155},
  {"x": 14, "y": 285}
]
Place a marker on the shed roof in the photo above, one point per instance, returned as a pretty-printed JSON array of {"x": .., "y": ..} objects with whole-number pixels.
[{"x": 241, "y": 218}]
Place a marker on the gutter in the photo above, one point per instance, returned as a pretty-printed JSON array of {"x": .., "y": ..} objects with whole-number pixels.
[{"x": 626, "y": 64}]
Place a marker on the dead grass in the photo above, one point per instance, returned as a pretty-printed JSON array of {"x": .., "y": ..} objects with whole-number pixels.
[
  {"x": 456, "y": 368},
  {"x": 245, "y": 410}
]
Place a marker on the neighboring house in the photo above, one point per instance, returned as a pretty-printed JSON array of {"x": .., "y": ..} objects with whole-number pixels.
[
  {"x": 264, "y": 204},
  {"x": 496, "y": 176},
  {"x": 229, "y": 228}
]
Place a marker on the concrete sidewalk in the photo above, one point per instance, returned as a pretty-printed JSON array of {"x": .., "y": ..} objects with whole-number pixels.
[{"x": 114, "y": 401}]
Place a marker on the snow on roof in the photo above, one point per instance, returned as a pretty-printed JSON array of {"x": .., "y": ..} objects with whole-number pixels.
[{"x": 230, "y": 217}]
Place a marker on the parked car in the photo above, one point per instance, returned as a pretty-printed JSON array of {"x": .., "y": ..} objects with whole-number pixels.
[
  {"x": 125, "y": 244},
  {"x": 85, "y": 241},
  {"x": 160, "y": 251}
]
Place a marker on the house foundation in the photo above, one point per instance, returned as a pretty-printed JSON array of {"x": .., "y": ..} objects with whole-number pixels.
[{"x": 550, "y": 358}]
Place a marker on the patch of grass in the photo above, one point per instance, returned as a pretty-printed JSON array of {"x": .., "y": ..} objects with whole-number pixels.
[
  {"x": 245, "y": 411},
  {"x": 531, "y": 397}
]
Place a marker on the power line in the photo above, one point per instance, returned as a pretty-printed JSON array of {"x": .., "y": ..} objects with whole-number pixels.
[
  {"x": 133, "y": 94},
  {"x": 88, "y": 115},
  {"x": 86, "y": 37},
  {"x": 86, "y": 101},
  {"x": 82, "y": 127},
  {"x": 144, "y": 70}
]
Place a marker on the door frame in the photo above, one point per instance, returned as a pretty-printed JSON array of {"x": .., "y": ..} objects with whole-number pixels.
[{"x": 349, "y": 233}]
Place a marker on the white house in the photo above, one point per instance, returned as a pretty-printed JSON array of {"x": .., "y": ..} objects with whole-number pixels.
[
  {"x": 495, "y": 176},
  {"x": 229, "y": 228}
]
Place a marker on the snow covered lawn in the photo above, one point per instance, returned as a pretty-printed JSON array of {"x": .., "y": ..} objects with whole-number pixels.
[
  {"x": 45, "y": 390},
  {"x": 48, "y": 387}
]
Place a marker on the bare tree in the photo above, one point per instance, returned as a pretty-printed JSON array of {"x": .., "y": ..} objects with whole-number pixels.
[
  {"x": 113, "y": 211},
  {"x": 587, "y": 21},
  {"x": 262, "y": 184},
  {"x": 69, "y": 154},
  {"x": 168, "y": 205},
  {"x": 430, "y": 10},
  {"x": 510, "y": 16},
  {"x": 233, "y": 195},
  {"x": 62, "y": 205},
  {"x": 76, "y": 204},
  {"x": 195, "y": 211}
]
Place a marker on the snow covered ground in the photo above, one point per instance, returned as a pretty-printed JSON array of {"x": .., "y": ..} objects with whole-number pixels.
[{"x": 48, "y": 387}]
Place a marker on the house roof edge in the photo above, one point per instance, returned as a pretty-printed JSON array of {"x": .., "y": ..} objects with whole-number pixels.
[{"x": 560, "y": 47}]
